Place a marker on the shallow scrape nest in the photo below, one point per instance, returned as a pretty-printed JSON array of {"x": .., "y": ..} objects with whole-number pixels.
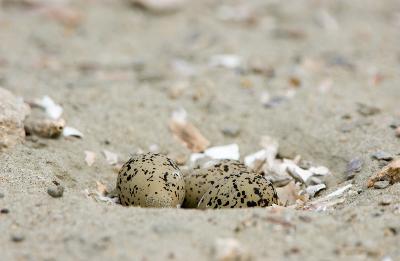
[{"x": 263, "y": 179}]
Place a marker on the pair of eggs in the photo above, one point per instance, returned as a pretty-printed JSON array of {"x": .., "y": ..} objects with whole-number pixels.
[{"x": 154, "y": 180}]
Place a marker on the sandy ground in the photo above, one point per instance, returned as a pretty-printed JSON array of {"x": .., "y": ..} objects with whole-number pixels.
[{"x": 112, "y": 74}]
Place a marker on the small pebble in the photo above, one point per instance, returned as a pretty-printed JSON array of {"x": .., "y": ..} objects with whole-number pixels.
[
  {"x": 355, "y": 165},
  {"x": 17, "y": 237},
  {"x": 395, "y": 124},
  {"x": 56, "y": 191},
  {"x": 397, "y": 132},
  {"x": 4, "y": 211},
  {"x": 231, "y": 130},
  {"x": 305, "y": 164},
  {"x": 381, "y": 184},
  {"x": 367, "y": 110},
  {"x": 382, "y": 155},
  {"x": 1, "y": 195},
  {"x": 386, "y": 200}
]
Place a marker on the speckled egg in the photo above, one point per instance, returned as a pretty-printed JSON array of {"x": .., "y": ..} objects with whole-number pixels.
[
  {"x": 240, "y": 190},
  {"x": 150, "y": 180},
  {"x": 200, "y": 180}
]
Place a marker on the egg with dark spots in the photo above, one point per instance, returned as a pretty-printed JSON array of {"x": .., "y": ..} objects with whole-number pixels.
[
  {"x": 240, "y": 190},
  {"x": 150, "y": 180},
  {"x": 200, "y": 180}
]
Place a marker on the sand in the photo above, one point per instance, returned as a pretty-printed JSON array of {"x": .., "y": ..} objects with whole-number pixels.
[{"x": 112, "y": 75}]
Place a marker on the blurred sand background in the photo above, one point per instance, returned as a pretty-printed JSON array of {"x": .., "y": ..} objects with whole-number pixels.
[{"x": 115, "y": 69}]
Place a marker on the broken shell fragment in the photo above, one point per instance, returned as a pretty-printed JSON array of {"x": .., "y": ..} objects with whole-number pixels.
[
  {"x": 389, "y": 173},
  {"x": 312, "y": 190}
]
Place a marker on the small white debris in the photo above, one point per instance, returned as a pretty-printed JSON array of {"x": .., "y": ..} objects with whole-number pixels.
[
  {"x": 179, "y": 115},
  {"x": 336, "y": 193},
  {"x": 223, "y": 152},
  {"x": 250, "y": 160},
  {"x": 70, "y": 131},
  {"x": 90, "y": 157},
  {"x": 229, "y": 61},
  {"x": 183, "y": 67},
  {"x": 111, "y": 157},
  {"x": 312, "y": 190},
  {"x": 154, "y": 148},
  {"x": 298, "y": 173},
  {"x": 229, "y": 249},
  {"x": 271, "y": 147},
  {"x": 52, "y": 109},
  {"x": 195, "y": 157},
  {"x": 319, "y": 171}
]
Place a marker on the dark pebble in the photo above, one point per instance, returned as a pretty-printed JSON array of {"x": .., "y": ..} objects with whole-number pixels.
[
  {"x": 382, "y": 155},
  {"x": 275, "y": 101},
  {"x": 56, "y": 191},
  {"x": 395, "y": 124},
  {"x": 4, "y": 211},
  {"x": 17, "y": 238},
  {"x": 354, "y": 165}
]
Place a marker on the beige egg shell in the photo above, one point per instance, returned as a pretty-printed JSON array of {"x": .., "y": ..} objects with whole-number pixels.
[
  {"x": 150, "y": 180},
  {"x": 240, "y": 190},
  {"x": 200, "y": 180}
]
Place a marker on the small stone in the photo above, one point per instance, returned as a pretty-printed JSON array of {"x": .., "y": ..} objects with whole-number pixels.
[
  {"x": 354, "y": 166},
  {"x": 231, "y": 130},
  {"x": 17, "y": 238},
  {"x": 386, "y": 200},
  {"x": 397, "y": 132},
  {"x": 1, "y": 195},
  {"x": 313, "y": 190},
  {"x": 4, "y": 211},
  {"x": 395, "y": 124},
  {"x": 56, "y": 191},
  {"x": 367, "y": 110},
  {"x": 382, "y": 155},
  {"x": 381, "y": 184}
]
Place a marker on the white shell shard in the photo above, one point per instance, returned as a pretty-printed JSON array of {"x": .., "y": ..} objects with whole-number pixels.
[
  {"x": 312, "y": 190},
  {"x": 319, "y": 171},
  {"x": 223, "y": 152},
  {"x": 53, "y": 110},
  {"x": 111, "y": 157},
  {"x": 70, "y": 131},
  {"x": 299, "y": 173},
  {"x": 335, "y": 193},
  {"x": 251, "y": 159},
  {"x": 230, "y": 61},
  {"x": 195, "y": 157}
]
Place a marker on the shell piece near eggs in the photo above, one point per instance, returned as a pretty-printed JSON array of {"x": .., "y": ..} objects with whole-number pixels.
[
  {"x": 150, "y": 180},
  {"x": 200, "y": 180},
  {"x": 240, "y": 190}
]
